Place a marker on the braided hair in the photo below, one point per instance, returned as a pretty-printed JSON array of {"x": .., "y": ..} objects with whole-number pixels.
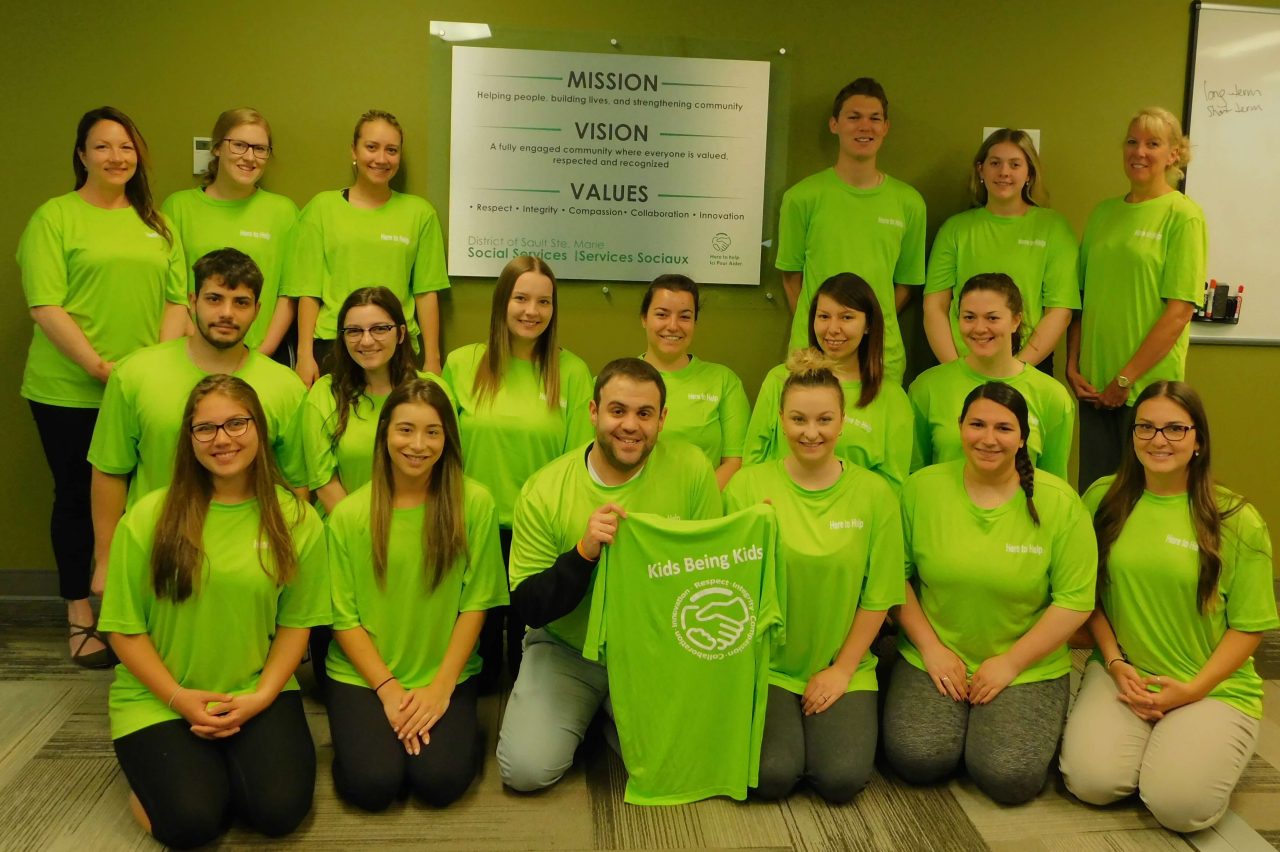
[{"x": 1008, "y": 397}]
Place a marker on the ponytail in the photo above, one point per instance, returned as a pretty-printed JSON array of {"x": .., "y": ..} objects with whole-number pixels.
[{"x": 1027, "y": 479}]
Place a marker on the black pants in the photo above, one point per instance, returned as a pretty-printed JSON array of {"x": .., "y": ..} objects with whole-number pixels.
[
  {"x": 1105, "y": 435},
  {"x": 1046, "y": 366},
  {"x": 322, "y": 349},
  {"x": 371, "y": 767},
  {"x": 65, "y": 434},
  {"x": 191, "y": 788},
  {"x": 495, "y": 621}
]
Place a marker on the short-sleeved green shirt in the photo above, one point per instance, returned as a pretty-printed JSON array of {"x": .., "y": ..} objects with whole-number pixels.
[
  {"x": 938, "y": 394},
  {"x": 340, "y": 248},
  {"x": 1152, "y": 587},
  {"x": 984, "y": 577},
  {"x": 510, "y": 435},
  {"x": 261, "y": 226},
  {"x": 1037, "y": 250},
  {"x": 676, "y": 482},
  {"x": 1133, "y": 259},
  {"x": 111, "y": 273},
  {"x": 218, "y": 638},
  {"x": 409, "y": 622},
  {"x": 141, "y": 418},
  {"x": 878, "y": 437},
  {"x": 826, "y": 227},
  {"x": 843, "y": 551},
  {"x": 351, "y": 460},
  {"x": 707, "y": 406}
]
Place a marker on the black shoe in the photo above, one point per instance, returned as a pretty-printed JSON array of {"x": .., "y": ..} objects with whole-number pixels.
[{"x": 101, "y": 659}]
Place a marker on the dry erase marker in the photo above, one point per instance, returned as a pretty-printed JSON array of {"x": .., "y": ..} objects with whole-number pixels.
[{"x": 1208, "y": 297}]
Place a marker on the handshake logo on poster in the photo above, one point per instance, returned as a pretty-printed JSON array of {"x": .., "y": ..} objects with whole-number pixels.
[{"x": 714, "y": 619}]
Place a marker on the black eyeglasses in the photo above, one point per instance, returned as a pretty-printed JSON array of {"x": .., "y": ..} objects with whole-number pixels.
[
  {"x": 239, "y": 146},
  {"x": 235, "y": 427},
  {"x": 1171, "y": 431},
  {"x": 378, "y": 331}
]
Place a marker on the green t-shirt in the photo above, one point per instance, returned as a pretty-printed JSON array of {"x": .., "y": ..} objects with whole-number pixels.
[
  {"x": 261, "y": 226},
  {"x": 689, "y": 612},
  {"x": 513, "y": 433},
  {"x": 551, "y": 513},
  {"x": 352, "y": 459},
  {"x": 1151, "y": 593},
  {"x": 410, "y": 623},
  {"x": 1037, "y": 250},
  {"x": 938, "y": 394},
  {"x": 878, "y": 437},
  {"x": 140, "y": 422},
  {"x": 111, "y": 273},
  {"x": 1134, "y": 258},
  {"x": 843, "y": 549},
  {"x": 340, "y": 248},
  {"x": 984, "y": 577},
  {"x": 826, "y": 227},
  {"x": 217, "y": 639},
  {"x": 707, "y": 406}
]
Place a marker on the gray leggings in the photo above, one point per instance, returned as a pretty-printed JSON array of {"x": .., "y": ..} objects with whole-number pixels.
[
  {"x": 834, "y": 750},
  {"x": 1006, "y": 745}
]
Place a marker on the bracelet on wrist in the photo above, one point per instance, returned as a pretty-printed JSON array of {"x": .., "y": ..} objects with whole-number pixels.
[
  {"x": 1119, "y": 659},
  {"x": 377, "y": 689},
  {"x": 175, "y": 695}
]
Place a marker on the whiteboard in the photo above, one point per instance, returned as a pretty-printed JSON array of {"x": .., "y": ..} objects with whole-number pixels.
[{"x": 1233, "y": 116}]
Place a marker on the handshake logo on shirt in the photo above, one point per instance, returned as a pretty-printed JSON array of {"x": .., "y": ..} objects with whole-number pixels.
[{"x": 714, "y": 619}]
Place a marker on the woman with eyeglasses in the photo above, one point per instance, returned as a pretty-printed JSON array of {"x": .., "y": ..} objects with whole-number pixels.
[
  {"x": 229, "y": 209},
  {"x": 214, "y": 584},
  {"x": 103, "y": 275},
  {"x": 1171, "y": 705},
  {"x": 522, "y": 401},
  {"x": 362, "y": 235}
]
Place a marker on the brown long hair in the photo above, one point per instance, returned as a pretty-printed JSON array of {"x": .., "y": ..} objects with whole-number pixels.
[
  {"x": 852, "y": 291},
  {"x": 546, "y": 353},
  {"x": 1034, "y": 191},
  {"x": 1009, "y": 397},
  {"x": 444, "y": 528},
  {"x": 348, "y": 378},
  {"x": 1208, "y": 511},
  {"x": 177, "y": 554},
  {"x": 138, "y": 189}
]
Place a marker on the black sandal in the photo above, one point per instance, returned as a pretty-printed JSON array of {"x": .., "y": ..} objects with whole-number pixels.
[{"x": 101, "y": 659}]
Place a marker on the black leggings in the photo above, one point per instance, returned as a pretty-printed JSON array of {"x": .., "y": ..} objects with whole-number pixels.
[
  {"x": 191, "y": 788},
  {"x": 371, "y": 767},
  {"x": 65, "y": 434},
  {"x": 490, "y": 647}
]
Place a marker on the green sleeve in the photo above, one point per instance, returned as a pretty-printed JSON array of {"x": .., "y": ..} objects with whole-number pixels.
[
  {"x": 316, "y": 434},
  {"x": 942, "y": 260},
  {"x": 288, "y": 444},
  {"x": 307, "y": 600},
  {"x": 910, "y": 268},
  {"x": 484, "y": 583},
  {"x": 124, "y": 603},
  {"x": 706, "y": 501},
  {"x": 1061, "y": 287},
  {"x": 342, "y": 583},
  {"x": 1057, "y": 425},
  {"x": 114, "y": 446},
  {"x": 578, "y": 389},
  {"x": 735, "y": 414},
  {"x": 908, "y": 514},
  {"x": 899, "y": 445},
  {"x": 175, "y": 282},
  {"x": 1184, "y": 273},
  {"x": 43, "y": 262},
  {"x": 793, "y": 225},
  {"x": 922, "y": 445},
  {"x": 883, "y": 587},
  {"x": 1074, "y": 571},
  {"x": 429, "y": 274},
  {"x": 773, "y": 588},
  {"x": 534, "y": 545},
  {"x": 734, "y": 496},
  {"x": 761, "y": 443},
  {"x": 1251, "y": 601},
  {"x": 305, "y": 270}
]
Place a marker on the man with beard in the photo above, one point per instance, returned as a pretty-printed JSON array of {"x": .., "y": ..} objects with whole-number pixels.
[
  {"x": 565, "y": 514},
  {"x": 141, "y": 417}
]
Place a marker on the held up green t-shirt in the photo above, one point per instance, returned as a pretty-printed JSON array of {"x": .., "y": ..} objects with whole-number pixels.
[
  {"x": 513, "y": 433},
  {"x": 937, "y": 396},
  {"x": 843, "y": 549},
  {"x": 826, "y": 227},
  {"x": 707, "y": 406},
  {"x": 985, "y": 576},
  {"x": 409, "y": 622},
  {"x": 340, "y": 248},
  {"x": 878, "y": 437},
  {"x": 1133, "y": 259},
  {"x": 218, "y": 638},
  {"x": 688, "y": 612},
  {"x": 140, "y": 422},
  {"x": 1150, "y": 597},
  {"x": 1037, "y": 250},
  {"x": 551, "y": 513},
  {"x": 111, "y": 273},
  {"x": 352, "y": 459},
  {"x": 261, "y": 226}
]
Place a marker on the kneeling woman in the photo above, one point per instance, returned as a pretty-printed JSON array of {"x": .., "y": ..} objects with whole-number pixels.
[
  {"x": 1001, "y": 563},
  {"x": 1171, "y": 705},
  {"x": 213, "y": 585},
  {"x": 416, "y": 563},
  {"x": 842, "y": 534}
]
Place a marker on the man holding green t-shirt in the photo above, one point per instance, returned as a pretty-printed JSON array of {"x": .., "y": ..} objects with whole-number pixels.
[
  {"x": 138, "y": 428},
  {"x": 854, "y": 218},
  {"x": 565, "y": 514}
]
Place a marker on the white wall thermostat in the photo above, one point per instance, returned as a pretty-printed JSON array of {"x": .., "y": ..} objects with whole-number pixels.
[{"x": 201, "y": 154}]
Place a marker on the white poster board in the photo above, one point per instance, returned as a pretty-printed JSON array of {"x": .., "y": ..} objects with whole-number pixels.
[
  {"x": 1233, "y": 117},
  {"x": 612, "y": 168}
]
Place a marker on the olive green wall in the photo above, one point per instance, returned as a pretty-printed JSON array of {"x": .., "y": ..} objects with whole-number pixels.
[{"x": 1076, "y": 69}]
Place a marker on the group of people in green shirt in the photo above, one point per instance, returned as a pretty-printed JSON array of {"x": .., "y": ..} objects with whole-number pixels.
[{"x": 429, "y": 480}]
